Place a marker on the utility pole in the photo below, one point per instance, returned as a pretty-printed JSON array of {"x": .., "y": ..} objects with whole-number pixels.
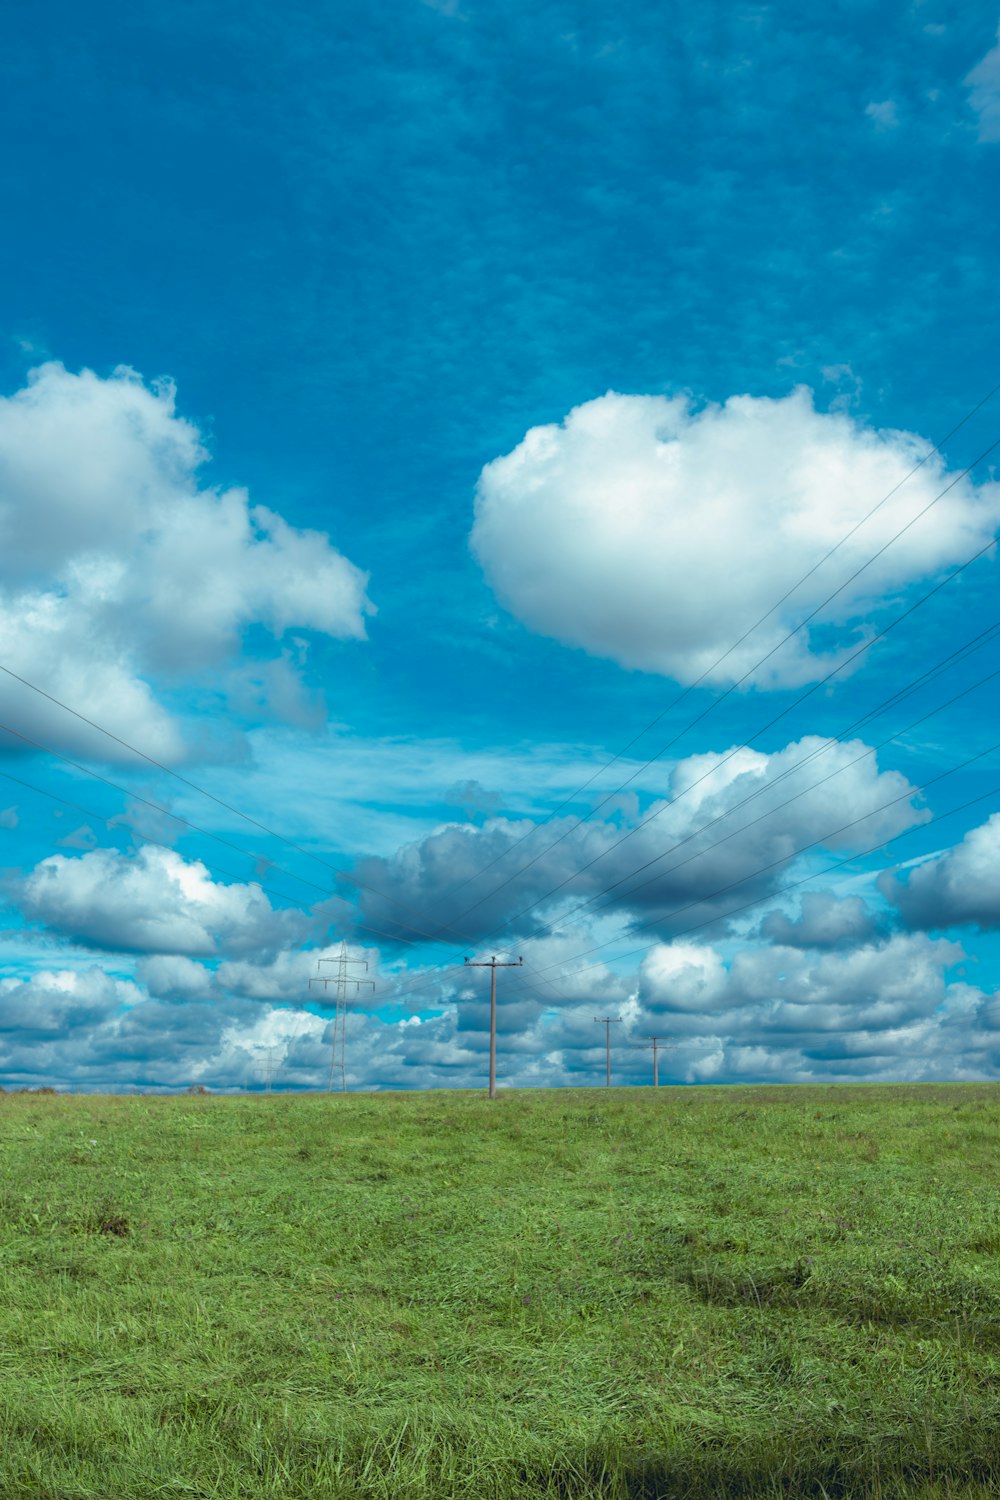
[
  {"x": 492, "y": 965},
  {"x": 607, "y": 1022},
  {"x": 658, "y": 1044},
  {"x": 342, "y": 983}
]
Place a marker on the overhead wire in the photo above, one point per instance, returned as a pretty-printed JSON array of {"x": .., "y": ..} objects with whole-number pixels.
[
  {"x": 835, "y": 671},
  {"x": 146, "y": 838},
  {"x": 259, "y": 859},
  {"x": 439, "y": 932},
  {"x": 769, "y": 786},
  {"x": 794, "y": 854},
  {"x": 736, "y": 750},
  {"x": 945, "y": 664},
  {"x": 686, "y": 691},
  {"x": 755, "y": 873},
  {"x": 790, "y": 885},
  {"x": 744, "y": 827}
]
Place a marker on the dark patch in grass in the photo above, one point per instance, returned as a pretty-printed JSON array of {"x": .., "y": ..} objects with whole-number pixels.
[
  {"x": 840, "y": 1466},
  {"x": 116, "y": 1224},
  {"x": 936, "y": 1312},
  {"x": 106, "y": 1218},
  {"x": 778, "y": 1285}
]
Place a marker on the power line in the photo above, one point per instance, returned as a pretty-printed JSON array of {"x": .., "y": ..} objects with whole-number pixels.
[
  {"x": 726, "y": 758},
  {"x": 217, "y": 869},
  {"x": 441, "y": 930},
  {"x": 936, "y": 448},
  {"x": 266, "y": 1066},
  {"x": 272, "y": 833},
  {"x": 259, "y": 859},
  {"x": 943, "y": 665},
  {"x": 671, "y": 803},
  {"x": 362, "y": 885},
  {"x": 789, "y": 885},
  {"x": 754, "y": 874},
  {"x": 900, "y": 695},
  {"x": 770, "y": 812}
]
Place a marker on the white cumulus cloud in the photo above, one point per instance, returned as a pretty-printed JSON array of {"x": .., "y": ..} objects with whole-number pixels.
[
  {"x": 154, "y": 902},
  {"x": 655, "y": 534},
  {"x": 120, "y": 570},
  {"x": 723, "y": 838},
  {"x": 959, "y": 888}
]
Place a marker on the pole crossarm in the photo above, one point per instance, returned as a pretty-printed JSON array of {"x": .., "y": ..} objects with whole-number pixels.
[
  {"x": 607, "y": 1022},
  {"x": 493, "y": 964}
]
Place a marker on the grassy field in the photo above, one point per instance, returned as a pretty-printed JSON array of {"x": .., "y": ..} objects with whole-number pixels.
[{"x": 718, "y": 1291}]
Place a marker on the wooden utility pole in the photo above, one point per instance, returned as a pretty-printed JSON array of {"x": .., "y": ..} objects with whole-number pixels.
[
  {"x": 492, "y": 965},
  {"x": 607, "y": 1022},
  {"x": 658, "y": 1044}
]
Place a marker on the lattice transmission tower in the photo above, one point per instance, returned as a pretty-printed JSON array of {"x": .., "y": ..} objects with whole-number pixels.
[
  {"x": 344, "y": 983},
  {"x": 267, "y": 1065}
]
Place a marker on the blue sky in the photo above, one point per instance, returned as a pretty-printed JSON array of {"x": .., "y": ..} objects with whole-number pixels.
[{"x": 399, "y": 410}]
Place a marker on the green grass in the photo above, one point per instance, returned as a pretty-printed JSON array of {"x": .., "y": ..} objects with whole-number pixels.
[{"x": 711, "y": 1292}]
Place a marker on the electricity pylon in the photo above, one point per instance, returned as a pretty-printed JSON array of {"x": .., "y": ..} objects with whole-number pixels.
[
  {"x": 265, "y": 1066},
  {"x": 342, "y": 983}
]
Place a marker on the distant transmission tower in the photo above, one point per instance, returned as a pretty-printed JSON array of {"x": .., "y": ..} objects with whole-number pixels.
[
  {"x": 342, "y": 982},
  {"x": 265, "y": 1067}
]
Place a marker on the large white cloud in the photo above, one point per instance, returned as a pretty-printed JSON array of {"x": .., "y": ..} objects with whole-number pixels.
[
  {"x": 653, "y": 533},
  {"x": 118, "y": 568},
  {"x": 960, "y": 887},
  {"x": 722, "y": 839},
  {"x": 154, "y": 902}
]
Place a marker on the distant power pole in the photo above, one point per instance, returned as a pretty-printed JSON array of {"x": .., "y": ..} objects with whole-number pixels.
[
  {"x": 492, "y": 965},
  {"x": 658, "y": 1044},
  {"x": 342, "y": 983},
  {"x": 607, "y": 1022}
]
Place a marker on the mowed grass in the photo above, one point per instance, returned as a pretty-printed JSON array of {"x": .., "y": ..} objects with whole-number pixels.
[{"x": 718, "y": 1291}]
